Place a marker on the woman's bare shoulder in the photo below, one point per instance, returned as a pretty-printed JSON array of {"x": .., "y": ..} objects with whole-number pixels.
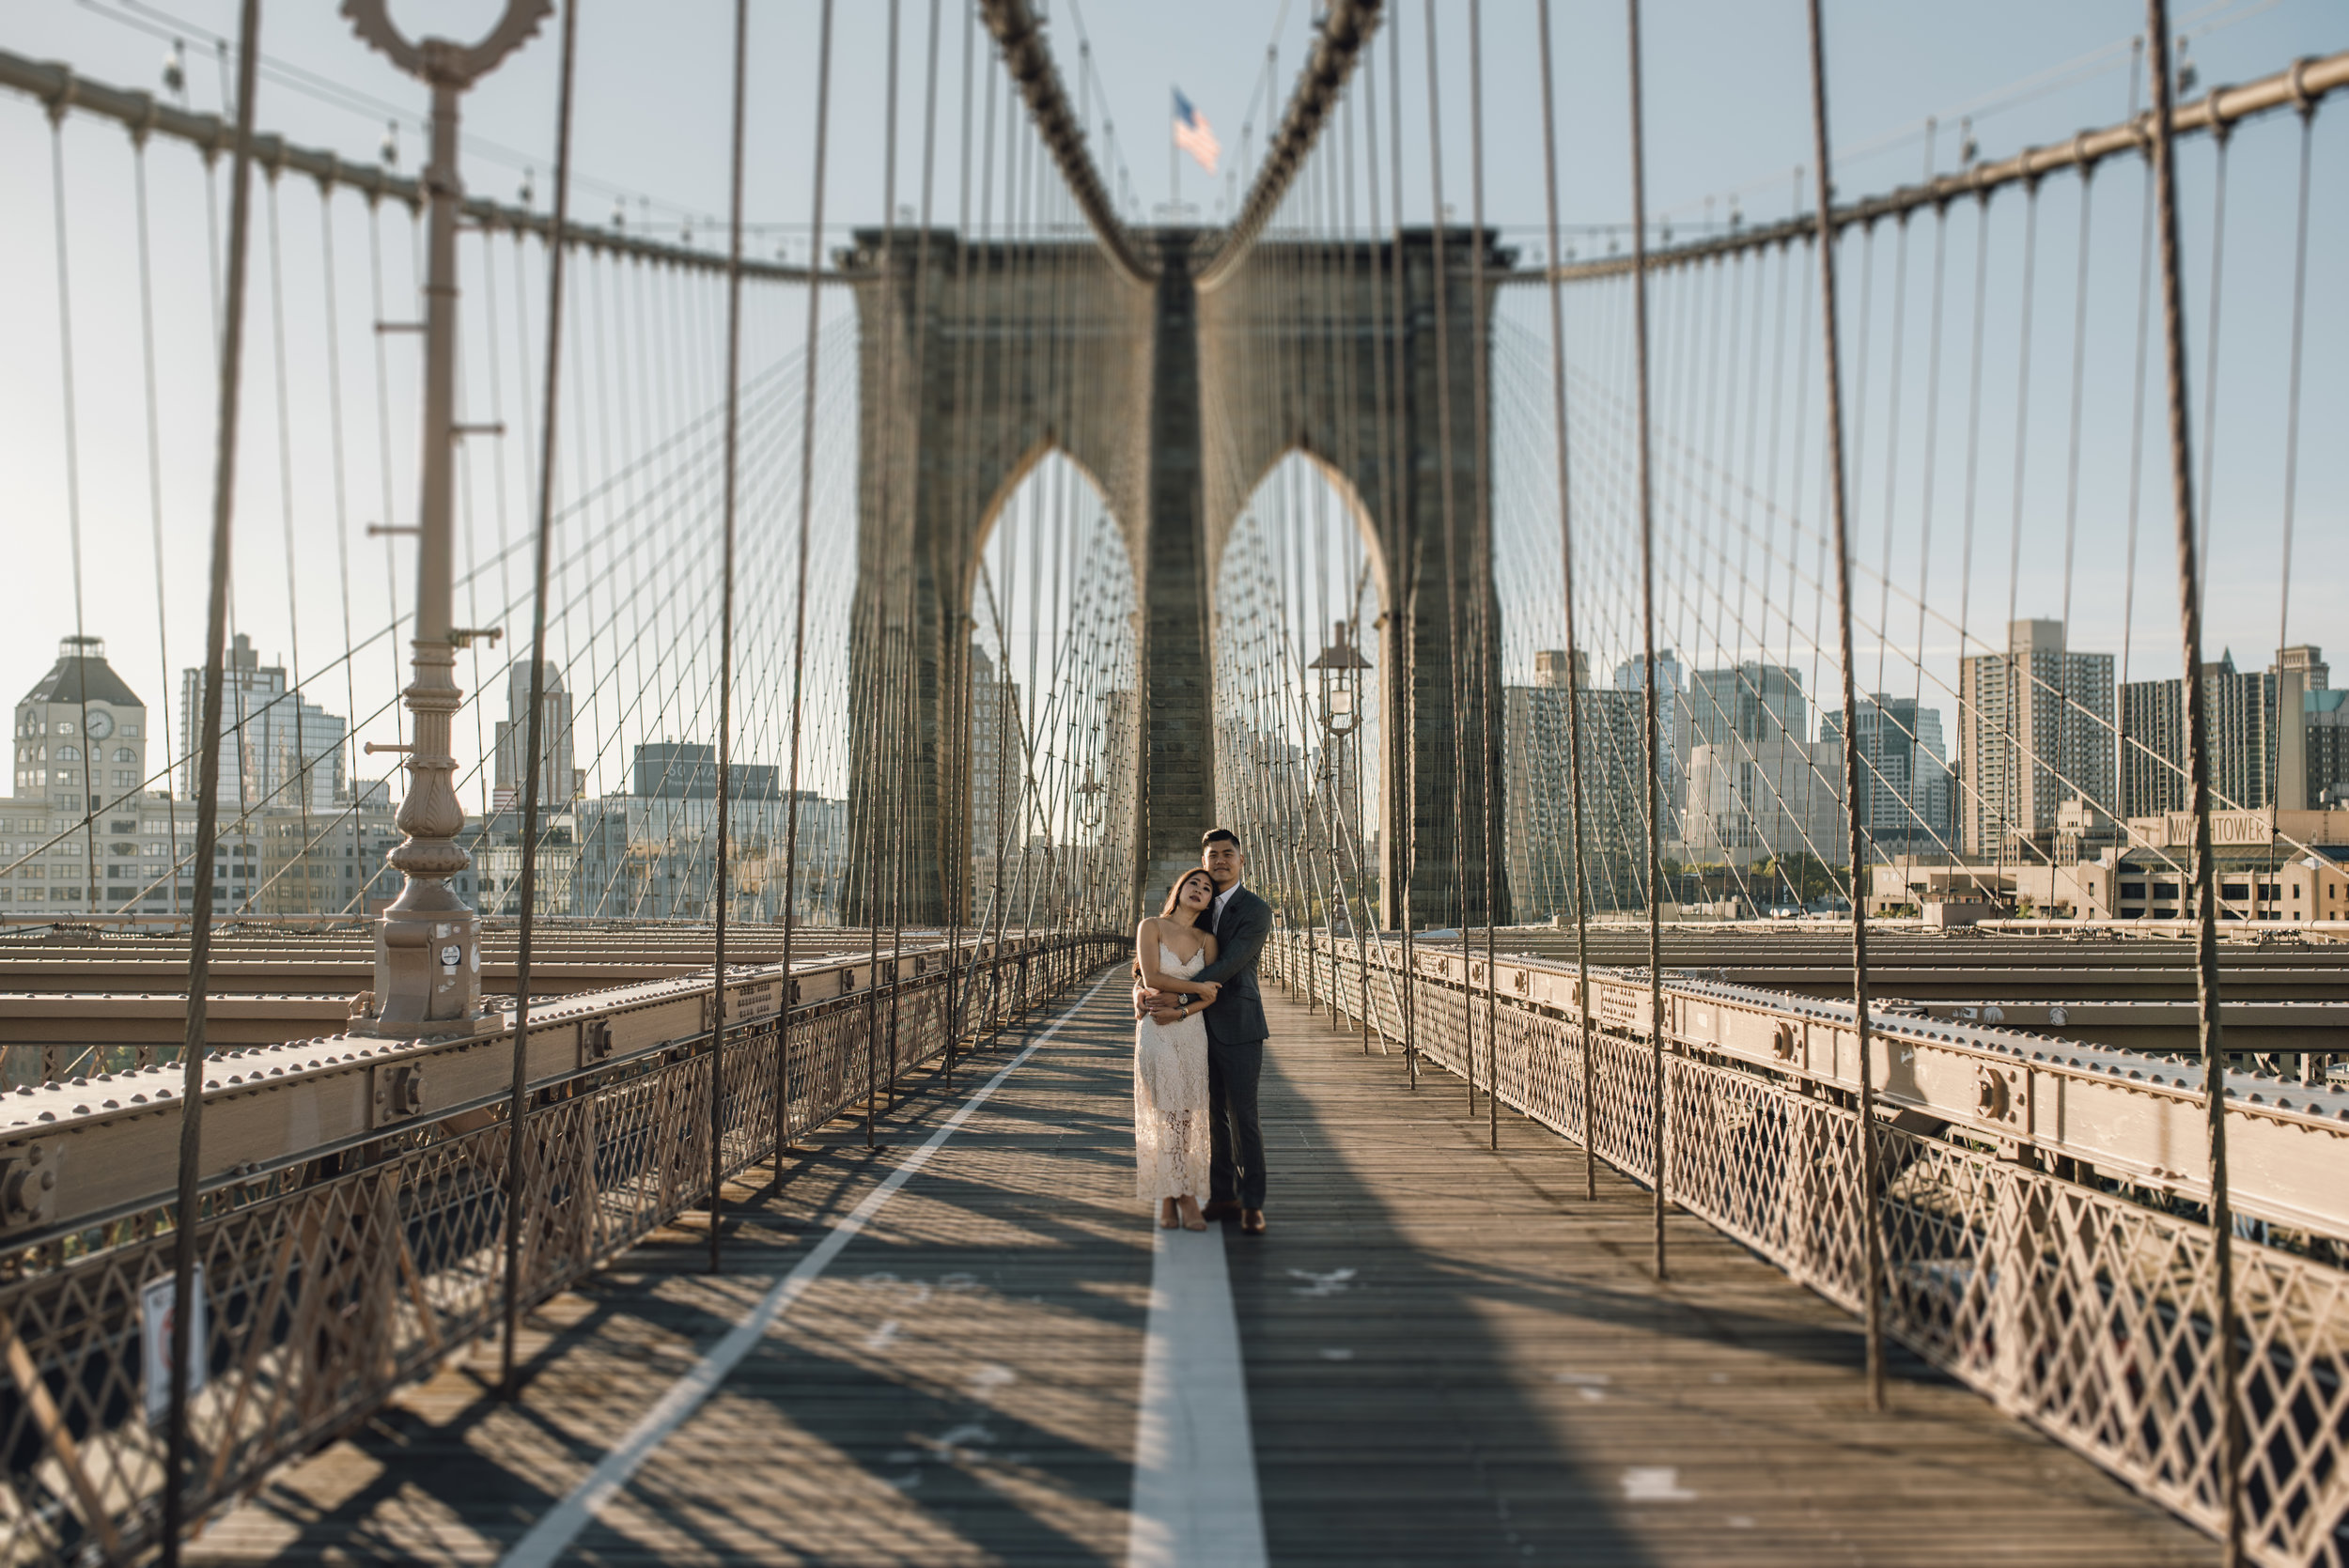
[
  {"x": 1206, "y": 940},
  {"x": 1147, "y": 927}
]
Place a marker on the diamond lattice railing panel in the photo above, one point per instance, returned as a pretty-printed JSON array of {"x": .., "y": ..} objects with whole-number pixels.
[
  {"x": 328, "y": 1284},
  {"x": 2090, "y": 1315}
]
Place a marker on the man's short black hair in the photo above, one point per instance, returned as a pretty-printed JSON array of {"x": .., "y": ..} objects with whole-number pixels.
[{"x": 1219, "y": 835}]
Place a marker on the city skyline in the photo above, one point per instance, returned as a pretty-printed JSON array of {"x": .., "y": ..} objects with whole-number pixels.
[{"x": 1743, "y": 780}]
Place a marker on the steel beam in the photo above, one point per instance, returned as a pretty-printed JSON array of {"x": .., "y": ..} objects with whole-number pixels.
[
  {"x": 77, "y": 1153},
  {"x": 102, "y": 1144},
  {"x": 2113, "y": 1109},
  {"x": 343, "y": 962}
]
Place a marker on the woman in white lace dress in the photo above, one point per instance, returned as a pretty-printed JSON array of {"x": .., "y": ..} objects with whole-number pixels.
[{"x": 1171, "y": 1060}]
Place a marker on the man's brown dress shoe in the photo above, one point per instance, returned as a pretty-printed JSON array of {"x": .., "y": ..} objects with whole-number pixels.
[
  {"x": 1222, "y": 1209},
  {"x": 1252, "y": 1222}
]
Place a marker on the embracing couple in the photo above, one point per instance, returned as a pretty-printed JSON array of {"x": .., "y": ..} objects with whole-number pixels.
[{"x": 1199, "y": 1045}]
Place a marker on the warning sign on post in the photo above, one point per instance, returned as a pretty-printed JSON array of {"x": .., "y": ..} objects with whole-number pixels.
[{"x": 155, "y": 1335}]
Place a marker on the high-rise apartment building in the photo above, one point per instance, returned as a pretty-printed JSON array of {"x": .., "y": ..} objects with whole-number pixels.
[
  {"x": 1751, "y": 701},
  {"x": 997, "y": 770},
  {"x": 2152, "y": 748},
  {"x": 653, "y": 855},
  {"x": 1745, "y": 729},
  {"x": 2036, "y": 728},
  {"x": 1672, "y": 725},
  {"x": 2260, "y": 726},
  {"x": 2324, "y": 737},
  {"x": 688, "y": 770},
  {"x": 274, "y": 745},
  {"x": 1905, "y": 785},
  {"x": 1751, "y": 800},
  {"x": 1671, "y": 677},
  {"x": 559, "y": 783},
  {"x": 1553, "y": 669},
  {"x": 1538, "y": 757},
  {"x": 2301, "y": 676}
]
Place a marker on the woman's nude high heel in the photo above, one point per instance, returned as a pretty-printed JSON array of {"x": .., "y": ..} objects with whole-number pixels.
[
  {"x": 1192, "y": 1220},
  {"x": 1168, "y": 1219}
]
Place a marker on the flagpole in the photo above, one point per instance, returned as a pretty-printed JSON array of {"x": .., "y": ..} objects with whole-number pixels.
[{"x": 1173, "y": 162}]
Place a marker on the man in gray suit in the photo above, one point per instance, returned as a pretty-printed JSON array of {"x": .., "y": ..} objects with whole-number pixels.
[{"x": 1240, "y": 922}]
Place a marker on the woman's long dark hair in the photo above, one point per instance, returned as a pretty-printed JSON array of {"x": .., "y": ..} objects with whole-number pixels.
[
  {"x": 1175, "y": 893},
  {"x": 1172, "y": 895}
]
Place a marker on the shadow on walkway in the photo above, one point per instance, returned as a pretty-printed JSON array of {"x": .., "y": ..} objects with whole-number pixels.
[{"x": 1454, "y": 1357}]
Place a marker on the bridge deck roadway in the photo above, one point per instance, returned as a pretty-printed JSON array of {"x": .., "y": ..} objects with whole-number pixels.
[{"x": 1448, "y": 1357}]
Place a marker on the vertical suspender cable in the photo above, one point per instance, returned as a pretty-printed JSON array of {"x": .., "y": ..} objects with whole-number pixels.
[
  {"x": 207, "y": 795},
  {"x": 2072, "y": 459},
  {"x": 1870, "y": 1215},
  {"x": 2292, "y": 394},
  {"x": 301, "y": 761},
  {"x": 2017, "y": 751},
  {"x": 799, "y": 598},
  {"x": 725, "y": 645},
  {"x": 1487, "y": 642},
  {"x": 989, "y": 929},
  {"x": 1970, "y": 723},
  {"x": 1405, "y": 751},
  {"x": 518, "y": 1098},
  {"x": 1892, "y": 482},
  {"x": 902, "y": 820},
  {"x": 155, "y": 493},
  {"x": 333, "y": 313},
  {"x": 1441, "y": 261},
  {"x": 1658, "y": 1118},
  {"x": 90, "y": 754},
  {"x": 2220, "y": 134},
  {"x": 2233, "y": 1439},
  {"x": 951, "y": 832},
  {"x": 1566, "y": 558},
  {"x": 954, "y": 836},
  {"x": 880, "y": 749},
  {"x": 2137, "y": 445},
  {"x": 1390, "y": 610},
  {"x": 1932, "y": 447}
]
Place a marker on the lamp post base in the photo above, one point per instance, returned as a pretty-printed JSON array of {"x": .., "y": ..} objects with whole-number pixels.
[{"x": 427, "y": 968}]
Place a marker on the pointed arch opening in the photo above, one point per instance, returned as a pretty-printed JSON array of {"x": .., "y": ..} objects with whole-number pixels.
[
  {"x": 1051, "y": 667},
  {"x": 1302, "y": 702}
]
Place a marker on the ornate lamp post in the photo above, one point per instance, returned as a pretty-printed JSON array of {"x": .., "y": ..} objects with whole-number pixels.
[
  {"x": 1091, "y": 811},
  {"x": 1338, "y": 674},
  {"x": 427, "y": 945},
  {"x": 1339, "y": 670},
  {"x": 1091, "y": 808}
]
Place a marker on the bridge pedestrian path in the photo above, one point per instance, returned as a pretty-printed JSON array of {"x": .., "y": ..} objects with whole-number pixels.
[{"x": 1445, "y": 1355}]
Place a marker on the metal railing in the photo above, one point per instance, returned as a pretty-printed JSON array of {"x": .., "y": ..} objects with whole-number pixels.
[
  {"x": 328, "y": 1284},
  {"x": 2084, "y": 1313}
]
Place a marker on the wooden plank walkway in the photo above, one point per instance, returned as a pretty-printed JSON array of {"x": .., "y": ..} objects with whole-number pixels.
[{"x": 1451, "y": 1357}]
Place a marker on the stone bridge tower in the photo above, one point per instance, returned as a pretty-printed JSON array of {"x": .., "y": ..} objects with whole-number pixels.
[{"x": 978, "y": 358}]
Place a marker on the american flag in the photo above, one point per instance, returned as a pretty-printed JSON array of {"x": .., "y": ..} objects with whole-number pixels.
[{"x": 1193, "y": 134}]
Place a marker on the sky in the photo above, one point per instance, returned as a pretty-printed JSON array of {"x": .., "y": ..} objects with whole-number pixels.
[
  {"x": 1727, "y": 126},
  {"x": 1726, "y": 104}
]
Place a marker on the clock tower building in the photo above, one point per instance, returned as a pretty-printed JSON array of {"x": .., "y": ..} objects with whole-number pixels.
[{"x": 81, "y": 735}]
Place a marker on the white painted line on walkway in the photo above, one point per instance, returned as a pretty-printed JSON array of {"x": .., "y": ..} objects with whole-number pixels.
[
  {"x": 1194, "y": 1498},
  {"x": 556, "y": 1531}
]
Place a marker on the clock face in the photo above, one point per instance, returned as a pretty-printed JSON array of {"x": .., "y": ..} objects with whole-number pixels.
[{"x": 102, "y": 725}]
